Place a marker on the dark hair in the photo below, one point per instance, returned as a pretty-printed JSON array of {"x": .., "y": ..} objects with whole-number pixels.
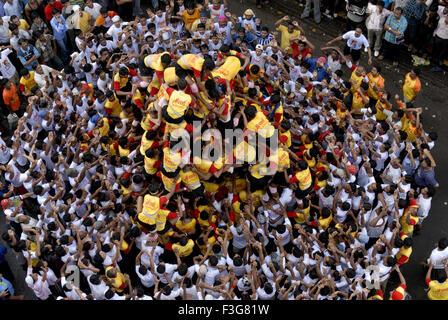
[
  {"x": 182, "y": 269},
  {"x": 408, "y": 242},
  {"x": 442, "y": 243},
  {"x": 440, "y": 275},
  {"x": 213, "y": 261},
  {"x": 95, "y": 279},
  {"x": 351, "y": 273},
  {"x": 161, "y": 268},
  {"x": 281, "y": 228},
  {"x": 391, "y": 261},
  {"x": 268, "y": 288},
  {"x": 166, "y": 58},
  {"x": 109, "y": 294}
]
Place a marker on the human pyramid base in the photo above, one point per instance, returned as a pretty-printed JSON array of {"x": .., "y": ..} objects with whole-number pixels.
[{"x": 193, "y": 154}]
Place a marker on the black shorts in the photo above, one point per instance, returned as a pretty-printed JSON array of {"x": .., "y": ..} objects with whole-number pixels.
[
  {"x": 257, "y": 184},
  {"x": 301, "y": 194},
  {"x": 356, "y": 54},
  {"x": 169, "y": 119},
  {"x": 197, "y": 193},
  {"x": 170, "y": 174},
  {"x": 145, "y": 226},
  {"x": 181, "y": 72}
]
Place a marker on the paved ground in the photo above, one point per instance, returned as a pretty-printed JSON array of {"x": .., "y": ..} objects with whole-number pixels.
[{"x": 433, "y": 98}]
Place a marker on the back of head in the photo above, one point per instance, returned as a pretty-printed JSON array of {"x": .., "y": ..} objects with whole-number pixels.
[{"x": 443, "y": 243}]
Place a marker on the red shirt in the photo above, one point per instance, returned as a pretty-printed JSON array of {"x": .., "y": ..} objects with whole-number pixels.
[
  {"x": 48, "y": 9},
  {"x": 296, "y": 51}
]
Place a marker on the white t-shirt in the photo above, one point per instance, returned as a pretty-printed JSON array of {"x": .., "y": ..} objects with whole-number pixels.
[
  {"x": 6, "y": 67},
  {"x": 98, "y": 290},
  {"x": 437, "y": 257},
  {"x": 355, "y": 43},
  {"x": 147, "y": 280}
]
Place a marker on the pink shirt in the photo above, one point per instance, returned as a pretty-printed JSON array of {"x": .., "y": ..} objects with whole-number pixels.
[{"x": 40, "y": 288}]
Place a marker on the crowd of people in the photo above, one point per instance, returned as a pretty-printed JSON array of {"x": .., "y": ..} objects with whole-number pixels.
[
  {"x": 419, "y": 25},
  {"x": 107, "y": 197}
]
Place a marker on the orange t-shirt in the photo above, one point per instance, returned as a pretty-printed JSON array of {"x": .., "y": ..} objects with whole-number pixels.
[
  {"x": 11, "y": 98},
  {"x": 190, "y": 18}
]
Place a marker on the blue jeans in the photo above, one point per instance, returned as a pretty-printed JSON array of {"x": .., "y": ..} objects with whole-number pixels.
[{"x": 62, "y": 44}]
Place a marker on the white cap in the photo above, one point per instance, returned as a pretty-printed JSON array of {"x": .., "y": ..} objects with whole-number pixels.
[
  {"x": 165, "y": 36},
  {"x": 76, "y": 8},
  {"x": 259, "y": 46},
  {"x": 116, "y": 18}
]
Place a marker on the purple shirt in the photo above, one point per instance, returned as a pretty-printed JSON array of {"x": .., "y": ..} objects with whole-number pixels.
[{"x": 425, "y": 177}]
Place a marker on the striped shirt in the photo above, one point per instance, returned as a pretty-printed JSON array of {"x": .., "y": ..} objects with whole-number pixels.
[{"x": 264, "y": 41}]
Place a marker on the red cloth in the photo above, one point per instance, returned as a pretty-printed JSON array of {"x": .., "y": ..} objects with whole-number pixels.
[{"x": 48, "y": 9}]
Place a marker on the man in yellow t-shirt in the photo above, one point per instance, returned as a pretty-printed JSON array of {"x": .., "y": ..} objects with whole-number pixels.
[
  {"x": 438, "y": 289},
  {"x": 287, "y": 32},
  {"x": 376, "y": 83},
  {"x": 411, "y": 85},
  {"x": 27, "y": 81},
  {"x": 116, "y": 278},
  {"x": 81, "y": 19},
  {"x": 360, "y": 100},
  {"x": 112, "y": 105},
  {"x": 304, "y": 178},
  {"x": 178, "y": 103},
  {"x": 184, "y": 247}
]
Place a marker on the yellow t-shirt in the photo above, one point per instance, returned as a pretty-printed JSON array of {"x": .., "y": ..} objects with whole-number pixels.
[
  {"x": 438, "y": 291},
  {"x": 261, "y": 125},
  {"x": 283, "y": 160},
  {"x": 186, "y": 227},
  {"x": 411, "y": 87},
  {"x": 286, "y": 36},
  {"x": 358, "y": 102},
  {"x": 191, "y": 61},
  {"x": 380, "y": 115},
  {"x": 28, "y": 83},
  {"x": 24, "y": 25},
  {"x": 119, "y": 282},
  {"x": 191, "y": 179},
  {"x": 149, "y": 165},
  {"x": 84, "y": 22},
  {"x": 357, "y": 79},
  {"x": 305, "y": 179},
  {"x": 114, "y": 106},
  {"x": 186, "y": 250},
  {"x": 229, "y": 69},
  {"x": 178, "y": 103},
  {"x": 379, "y": 83},
  {"x": 104, "y": 130}
]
